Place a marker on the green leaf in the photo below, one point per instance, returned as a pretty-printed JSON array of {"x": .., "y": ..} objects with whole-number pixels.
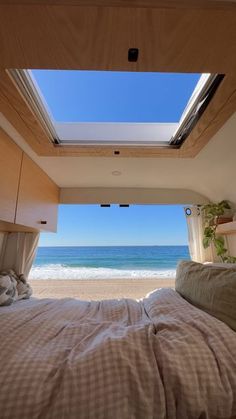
[
  {"x": 231, "y": 259},
  {"x": 206, "y": 242},
  {"x": 225, "y": 204},
  {"x": 220, "y": 251},
  {"x": 208, "y": 231},
  {"x": 210, "y": 213},
  {"x": 220, "y": 239}
]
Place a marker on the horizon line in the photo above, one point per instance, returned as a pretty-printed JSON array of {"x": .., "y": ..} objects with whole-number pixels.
[{"x": 121, "y": 245}]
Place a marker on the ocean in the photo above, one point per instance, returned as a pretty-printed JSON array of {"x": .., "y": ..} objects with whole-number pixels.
[{"x": 107, "y": 262}]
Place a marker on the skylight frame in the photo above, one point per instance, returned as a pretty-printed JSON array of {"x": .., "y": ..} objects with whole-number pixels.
[
  {"x": 27, "y": 86},
  {"x": 197, "y": 104},
  {"x": 199, "y": 100}
]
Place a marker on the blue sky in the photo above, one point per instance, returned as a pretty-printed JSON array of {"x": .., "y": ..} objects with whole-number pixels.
[
  {"x": 91, "y": 225},
  {"x": 109, "y": 96}
]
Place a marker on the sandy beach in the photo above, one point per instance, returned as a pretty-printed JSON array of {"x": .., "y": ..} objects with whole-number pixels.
[{"x": 99, "y": 289}]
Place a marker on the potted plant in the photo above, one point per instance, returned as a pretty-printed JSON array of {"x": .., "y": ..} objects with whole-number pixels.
[{"x": 211, "y": 216}]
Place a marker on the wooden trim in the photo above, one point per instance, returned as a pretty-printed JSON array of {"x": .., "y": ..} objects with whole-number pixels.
[
  {"x": 17, "y": 196},
  {"x": 165, "y": 4},
  {"x": 222, "y": 106},
  {"x": 10, "y": 162},
  {"x": 14, "y": 108}
]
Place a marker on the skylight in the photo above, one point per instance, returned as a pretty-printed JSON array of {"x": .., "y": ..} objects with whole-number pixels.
[
  {"x": 109, "y": 96},
  {"x": 108, "y": 107}
]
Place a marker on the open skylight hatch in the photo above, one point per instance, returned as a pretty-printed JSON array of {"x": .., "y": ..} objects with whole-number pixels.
[{"x": 116, "y": 108}]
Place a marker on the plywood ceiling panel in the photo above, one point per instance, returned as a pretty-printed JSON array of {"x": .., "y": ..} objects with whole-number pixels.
[
  {"x": 212, "y": 4},
  {"x": 41, "y": 35}
]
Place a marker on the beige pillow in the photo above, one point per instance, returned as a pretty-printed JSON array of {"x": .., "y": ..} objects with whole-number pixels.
[{"x": 209, "y": 287}]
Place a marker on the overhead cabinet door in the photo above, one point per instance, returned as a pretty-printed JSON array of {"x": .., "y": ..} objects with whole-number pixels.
[
  {"x": 37, "y": 199},
  {"x": 10, "y": 163}
]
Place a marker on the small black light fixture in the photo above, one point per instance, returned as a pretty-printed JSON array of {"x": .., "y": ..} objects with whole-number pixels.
[
  {"x": 105, "y": 205},
  {"x": 124, "y": 205},
  {"x": 133, "y": 55},
  {"x": 116, "y": 152}
]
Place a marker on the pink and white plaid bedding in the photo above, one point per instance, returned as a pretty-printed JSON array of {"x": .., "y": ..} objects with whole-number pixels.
[{"x": 157, "y": 358}]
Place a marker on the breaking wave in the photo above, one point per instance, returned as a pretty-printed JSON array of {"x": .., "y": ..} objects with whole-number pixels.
[{"x": 58, "y": 271}]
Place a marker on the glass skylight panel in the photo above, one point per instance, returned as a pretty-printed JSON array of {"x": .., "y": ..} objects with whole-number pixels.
[{"x": 108, "y": 107}]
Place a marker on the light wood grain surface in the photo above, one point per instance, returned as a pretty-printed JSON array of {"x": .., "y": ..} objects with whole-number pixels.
[
  {"x": 37, "y": 199},
  {"x": 15, "y": 109},
  {"x": 42, "y": 35},
  {"x": 10, "y": 165},
  {"x": 172, "y": 36},
  {"x": 176, "y": 4}
]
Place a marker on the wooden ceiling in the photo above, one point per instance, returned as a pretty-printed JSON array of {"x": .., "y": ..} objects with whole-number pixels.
[
  {"x": 56, "y": 35},
  {"x": 172, "y": 36},
  {"x": 133, "y": 3}
]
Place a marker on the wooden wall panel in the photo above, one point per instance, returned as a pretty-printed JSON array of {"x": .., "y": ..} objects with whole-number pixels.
[
  {"x": 10, "y": 164},
  {"x": 38, "y": 198}
]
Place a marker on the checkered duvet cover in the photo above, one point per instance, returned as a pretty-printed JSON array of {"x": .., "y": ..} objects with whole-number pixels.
[{"x": 156, "y": 358}]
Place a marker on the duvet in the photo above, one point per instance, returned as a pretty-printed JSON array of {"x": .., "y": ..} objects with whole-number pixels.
[{"x": 159, "y": 357}]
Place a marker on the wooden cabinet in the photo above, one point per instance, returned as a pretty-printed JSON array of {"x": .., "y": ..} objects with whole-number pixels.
[
  {"x": 37, "y": 198},
  {"x": 10, "y": 165},
  {"x": 28, "y": 197}
]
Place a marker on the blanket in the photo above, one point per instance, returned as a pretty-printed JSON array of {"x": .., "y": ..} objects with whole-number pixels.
[
  {"x": 156, "y": 358},
  {"x": 13, "y": 287}
]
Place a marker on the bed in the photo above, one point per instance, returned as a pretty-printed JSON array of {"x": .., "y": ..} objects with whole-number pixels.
[{"x": 159, "y": 357}]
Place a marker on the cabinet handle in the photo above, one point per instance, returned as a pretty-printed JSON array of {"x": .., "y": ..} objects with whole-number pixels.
[{"x": 43, "y": 222}]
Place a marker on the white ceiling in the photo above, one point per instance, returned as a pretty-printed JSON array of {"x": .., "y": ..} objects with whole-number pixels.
[{"x": 211, "y": 173}]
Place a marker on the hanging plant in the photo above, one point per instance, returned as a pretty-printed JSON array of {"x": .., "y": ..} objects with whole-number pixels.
[{"x": 211, "y": 215}]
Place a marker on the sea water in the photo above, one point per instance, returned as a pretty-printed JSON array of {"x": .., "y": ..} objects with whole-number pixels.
[{"x": 107, "y": 262}]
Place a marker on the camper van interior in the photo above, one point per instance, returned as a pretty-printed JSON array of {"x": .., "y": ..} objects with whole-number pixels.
[{"x": 170, "y": 354}]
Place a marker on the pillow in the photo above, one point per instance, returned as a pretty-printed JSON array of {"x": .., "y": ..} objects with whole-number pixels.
[
  {"x": 7, "y": 290},
  {"x": 210, "y": 287},
  {"x": 13, "y": 287}
]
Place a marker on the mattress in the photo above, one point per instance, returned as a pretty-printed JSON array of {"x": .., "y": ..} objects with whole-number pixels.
[{"x": 159, "y": 357}]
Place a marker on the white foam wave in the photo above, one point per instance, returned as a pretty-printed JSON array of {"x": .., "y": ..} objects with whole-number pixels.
[{"x": 58, "y": 271}]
